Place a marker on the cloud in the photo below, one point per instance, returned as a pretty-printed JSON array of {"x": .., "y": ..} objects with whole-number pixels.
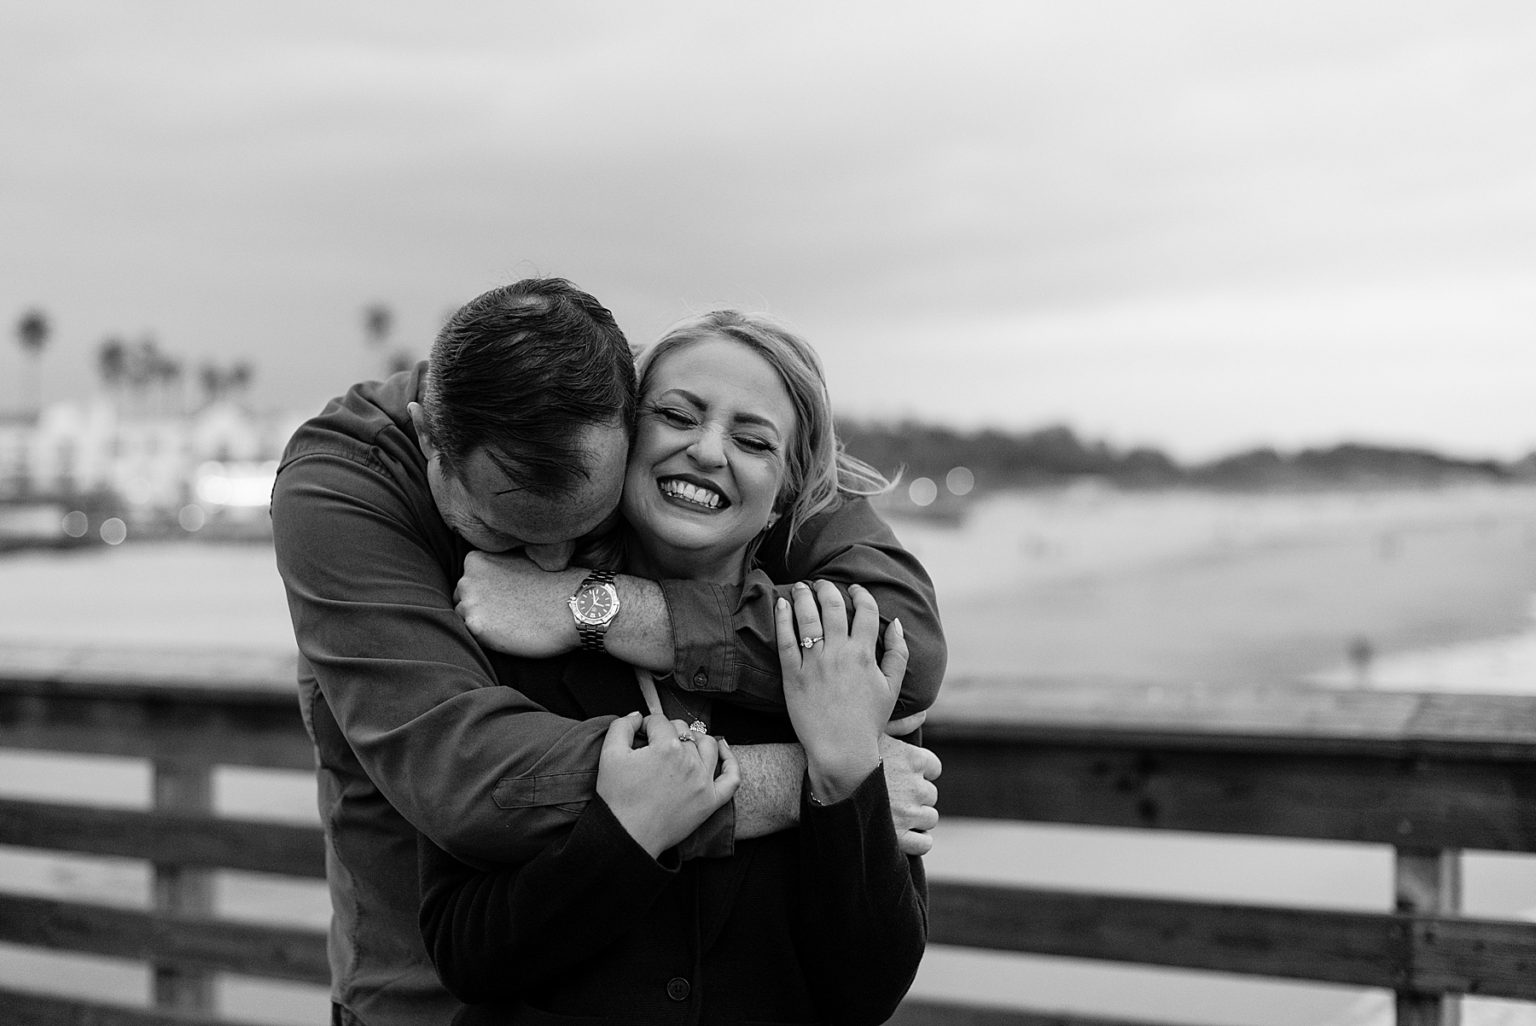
[{"x": 1036, "y": 186}]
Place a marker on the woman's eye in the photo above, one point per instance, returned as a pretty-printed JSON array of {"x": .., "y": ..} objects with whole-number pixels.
[
  {"x": 673, "y": 415},
  {"x": 754, "y": 444}
]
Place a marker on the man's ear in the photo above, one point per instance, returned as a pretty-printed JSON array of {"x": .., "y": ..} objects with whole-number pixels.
[{"x": 419, "y": 422}]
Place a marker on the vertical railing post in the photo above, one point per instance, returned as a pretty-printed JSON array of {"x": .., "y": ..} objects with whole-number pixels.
[
  {"x": 1427, "y": 880},
  {"x": 183, "y": 787}
]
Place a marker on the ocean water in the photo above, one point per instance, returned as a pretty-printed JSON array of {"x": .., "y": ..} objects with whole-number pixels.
[{"x": 1446, "y": 580}]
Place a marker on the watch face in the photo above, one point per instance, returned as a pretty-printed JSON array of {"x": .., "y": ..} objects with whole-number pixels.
[{"x": 596, "y": 604}]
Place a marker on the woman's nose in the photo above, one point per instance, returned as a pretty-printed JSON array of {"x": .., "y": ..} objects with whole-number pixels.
[{"x": 708, "y": 449}]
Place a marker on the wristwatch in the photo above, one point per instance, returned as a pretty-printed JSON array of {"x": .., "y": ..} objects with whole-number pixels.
[{"x": 594, "y": 606}]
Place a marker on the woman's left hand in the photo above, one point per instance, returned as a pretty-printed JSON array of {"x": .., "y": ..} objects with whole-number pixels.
[
  {"x": 839, "y": 699},
  {"x": 511, "y": 605}
]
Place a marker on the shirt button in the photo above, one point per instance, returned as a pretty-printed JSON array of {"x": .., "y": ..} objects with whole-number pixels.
[
  {"x": 677, "y": 989},
  {"x": 700, "y": 679}
]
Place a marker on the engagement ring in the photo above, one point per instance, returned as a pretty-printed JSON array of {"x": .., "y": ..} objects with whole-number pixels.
[
  {"x": 808, "y": 642},
  {"x": 687, "y": 736}
]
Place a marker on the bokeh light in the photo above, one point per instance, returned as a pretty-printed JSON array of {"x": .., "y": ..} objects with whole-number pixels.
[
  {"x": 114, "y": 531},
  {"x": 75, "y": 524},
  {"x": 960, "y": 481},
  {"x": 235, "y": 484},
  {"x": 922, "y": 491},
  {"x": 191, "y": 517}
]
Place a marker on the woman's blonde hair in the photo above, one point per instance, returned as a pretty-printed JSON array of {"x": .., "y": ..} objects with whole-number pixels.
[{"x": 817, "y": 473}]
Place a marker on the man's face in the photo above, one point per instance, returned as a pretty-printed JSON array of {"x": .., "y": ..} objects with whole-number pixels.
[{"x": 490, "y": 511}]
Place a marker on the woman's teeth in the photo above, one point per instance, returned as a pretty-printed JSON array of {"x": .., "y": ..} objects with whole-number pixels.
[{"x": 691, "y": 493}]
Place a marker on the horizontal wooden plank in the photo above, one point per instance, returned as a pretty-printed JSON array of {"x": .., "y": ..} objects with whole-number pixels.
[
  {"x": 1228, "y": 715},
  {"x": 23, "y": 1008},
  {"x": 1475, "y": 956},
  {"x": 166, "y": 838},
  {"x": 923, "y": 1012},
  {"x": 190, "y": 725},
  {"x": 276, "y": 952},
  {"x": 95, "y": 666},
  {"x": 1362, "y": 949},
  {"x": 1429, "y": 802},
  {"x": 1233, "y": 716},
  {"x": 1387, "y": 950}
]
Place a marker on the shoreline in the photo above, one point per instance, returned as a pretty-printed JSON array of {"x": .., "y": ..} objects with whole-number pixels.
[
  {"x": 1211, "y": 588},
  {"x": 1167, "y": 586}
]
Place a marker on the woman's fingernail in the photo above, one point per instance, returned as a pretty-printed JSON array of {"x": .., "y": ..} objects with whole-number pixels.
[
  {"x": 897, "y": 625},
  {"x": 801, "y": 586}
]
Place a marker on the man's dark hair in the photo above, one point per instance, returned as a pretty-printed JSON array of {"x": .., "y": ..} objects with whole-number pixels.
[{"x": 519, "y": 371}]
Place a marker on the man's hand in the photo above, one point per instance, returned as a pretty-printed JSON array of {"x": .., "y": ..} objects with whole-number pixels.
[
  {"x": 909, "y": 775},
  {"x": 512, "y": 606}
]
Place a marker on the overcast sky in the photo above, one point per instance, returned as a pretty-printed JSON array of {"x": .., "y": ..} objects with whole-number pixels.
[{"x": 1195, "y": 225}]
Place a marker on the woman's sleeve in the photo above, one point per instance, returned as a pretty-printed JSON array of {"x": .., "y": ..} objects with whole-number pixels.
[
  {"x": 495, "y": 934},
  {"x": 863, "y": 920},
  {"x": 724, "y": 636}
]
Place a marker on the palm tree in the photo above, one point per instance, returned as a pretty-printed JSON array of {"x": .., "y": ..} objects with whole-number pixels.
[
  {"x": 240, "y": 374},
  {"x": 212, "y": 380},
  {"x": 112, "y": 362},
  {"x": 168, "y": 372},
  {"x": 141, "y": 370},
  {"x": 32, "y": 331},
  {"x": 218, "y": 382}
]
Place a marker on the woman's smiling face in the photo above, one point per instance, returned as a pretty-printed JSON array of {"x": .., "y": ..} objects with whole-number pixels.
[{"x": 708, "y": 459}]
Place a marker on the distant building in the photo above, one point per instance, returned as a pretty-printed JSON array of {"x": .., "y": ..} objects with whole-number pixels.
[{"x": 145, "y": 466}]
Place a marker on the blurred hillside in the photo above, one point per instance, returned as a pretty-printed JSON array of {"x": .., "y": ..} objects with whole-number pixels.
[{"x": 1056, "y": 455}]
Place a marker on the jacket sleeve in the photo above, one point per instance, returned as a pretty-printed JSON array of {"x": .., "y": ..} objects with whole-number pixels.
[
  {"x": 724, "y": 636},
  {"x": 481, "y": 769},
  {"x": 495, "y": 935},
  {"x": 860, "y": 894}
]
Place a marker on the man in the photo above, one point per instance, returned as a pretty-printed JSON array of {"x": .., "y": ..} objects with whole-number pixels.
[{"x": 512, "y": 438}]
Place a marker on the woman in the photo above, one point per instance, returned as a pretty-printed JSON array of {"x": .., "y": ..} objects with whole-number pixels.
[{"x": 822, "y": 923}]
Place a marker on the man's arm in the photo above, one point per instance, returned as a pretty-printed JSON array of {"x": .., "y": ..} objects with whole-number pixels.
[
  {"x": 367, "y": 568},
  {"x": 719, "y": 639},
  {"x": 769, "y": 798},
  {"x": 484, "y": 771},
  {"x": 846, "y": 545}
]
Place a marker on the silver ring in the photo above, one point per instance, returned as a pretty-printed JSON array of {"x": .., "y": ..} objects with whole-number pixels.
[
  {"x": 807, "y": 642},
  {"x": 698, "y": 727},
  {"x": 687, "y": 736}
]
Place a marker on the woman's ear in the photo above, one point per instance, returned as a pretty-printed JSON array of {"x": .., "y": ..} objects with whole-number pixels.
[{"x": 778, "y": 511}]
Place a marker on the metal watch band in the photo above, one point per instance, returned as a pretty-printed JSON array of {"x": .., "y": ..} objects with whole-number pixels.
[{"x": 591, "y": 634}]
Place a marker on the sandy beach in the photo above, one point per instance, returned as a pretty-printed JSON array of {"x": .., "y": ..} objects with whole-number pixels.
[{"x": 1176, "y": 586}]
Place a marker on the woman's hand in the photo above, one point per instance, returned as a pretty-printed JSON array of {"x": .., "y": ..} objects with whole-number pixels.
[
  {"x": 663, "y": 790},
  {"x": 511, "y": 605},
  {"x": 839, "y": 698}
]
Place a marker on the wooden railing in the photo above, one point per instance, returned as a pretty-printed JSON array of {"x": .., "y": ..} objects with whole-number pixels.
[{"x": 1430, "y": 775}]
